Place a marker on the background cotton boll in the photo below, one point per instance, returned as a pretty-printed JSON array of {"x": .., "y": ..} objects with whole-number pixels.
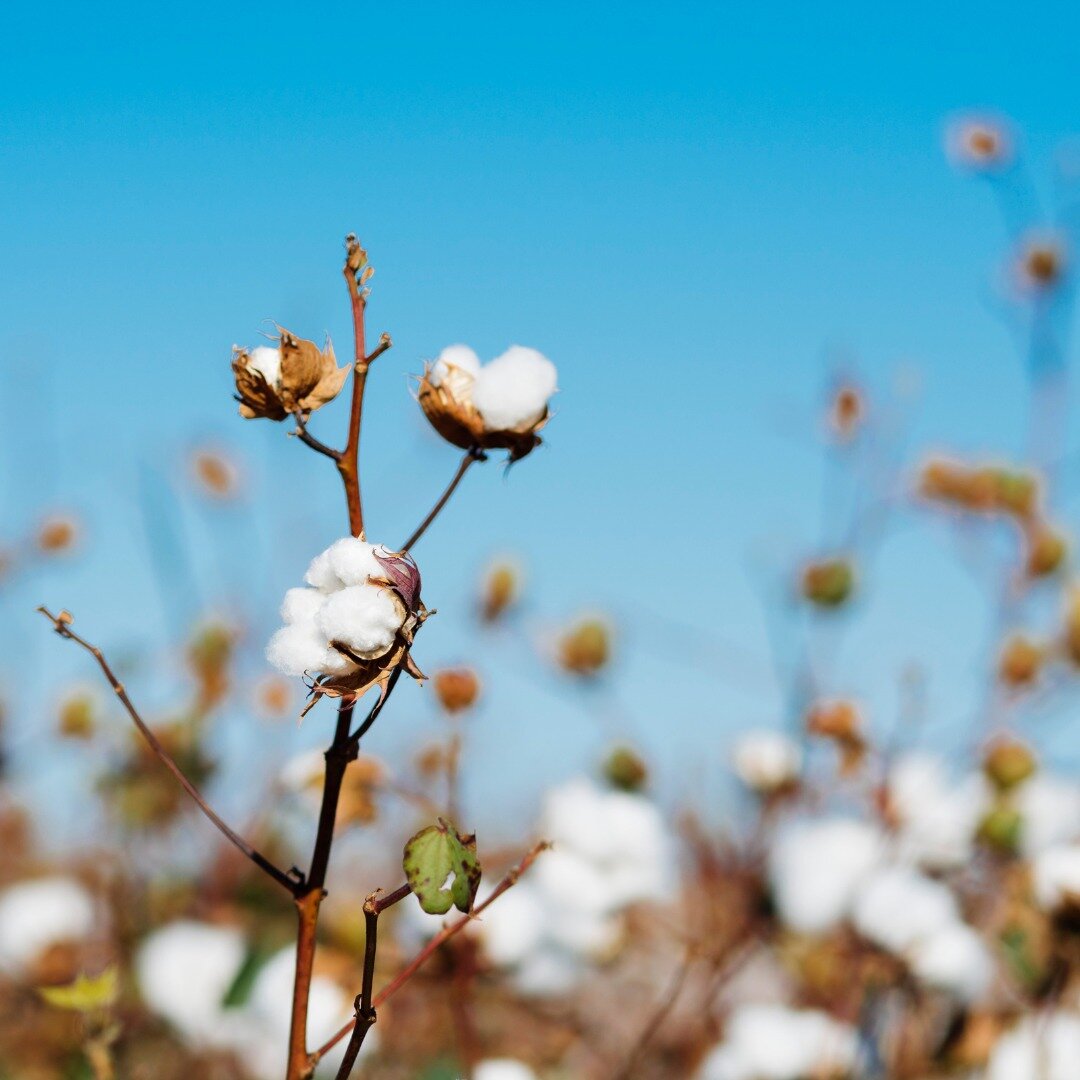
[
  {"x": 37, "y": 914},
  {"x": 514, "y": 927},
  {"x": 296, "y": 649},
  {"x": 586, "y": 934},
  {"x": 574, "y": 818},
  {"x": 766, "y": 760},
  {"x": 1044, "y": 1047},
  {"x": 512, "y": 390},
  {"x": 266, "y": 360},
  {"x": 503, "y": 1069},
  {"x": 815, "y": 868},
  {"x": 1057, "y": 875},
  {"x": 897, "y": 907},
  {"x": 353, "y": 561},
  {"x": 184, "y": 971},
  {"x": 301, "y": 605},
  {"x": 366, "y": 618},
  {"x": 548, "y": 972},
  {"x": 955, "y": 959},
  {"x": 456, "y": 366},
  {"x": 1049, "y": 809},
  {"x": 567, "y": 879}
]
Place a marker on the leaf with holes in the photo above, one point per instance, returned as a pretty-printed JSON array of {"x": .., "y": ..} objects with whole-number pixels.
[{"x": 442, "y": 868}]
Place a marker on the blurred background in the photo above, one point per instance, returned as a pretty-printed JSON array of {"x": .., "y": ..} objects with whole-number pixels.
[{"x": 783, "y": 259}]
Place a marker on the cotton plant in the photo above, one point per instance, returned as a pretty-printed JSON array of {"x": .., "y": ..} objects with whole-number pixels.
[{"x": 350, "y": 628}]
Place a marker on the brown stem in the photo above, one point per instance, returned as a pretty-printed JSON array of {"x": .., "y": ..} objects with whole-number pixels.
[
  {"x": 444, "y": 935},
  {"x": 471, "y": 455},
  {"x": 292, "y": 881},
  {"x": 308, "y": 439}
]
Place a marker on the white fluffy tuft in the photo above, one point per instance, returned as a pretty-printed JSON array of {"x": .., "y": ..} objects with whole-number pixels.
[
  {"x": 364, "y": 617},
  {"x": 512, "y": 391},
  {"x": 457, "y": 366},
  {"x": 301, "y": 605},
  {"x": 767, "y": 760},
  {"x": 899, "y": 907},
  {"x": 37, "y": 914},
  {"x": 266, "y": 360}
]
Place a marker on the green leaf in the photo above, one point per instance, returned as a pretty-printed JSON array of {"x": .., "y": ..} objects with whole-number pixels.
[
  {"x": 86, "y": 993},
  {"x": 432, "y": 857}
]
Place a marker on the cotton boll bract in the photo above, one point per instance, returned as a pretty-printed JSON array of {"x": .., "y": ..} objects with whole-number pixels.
[
  {"x": 816, "y": 867},
  {"x": 35, "y": 915},
  {"x": 184, "y": 971},
  {"x": 511, "y": 392}
]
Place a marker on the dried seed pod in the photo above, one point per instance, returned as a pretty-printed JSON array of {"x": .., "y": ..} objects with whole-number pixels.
[
  {"x": 57, "y": 535},
  {"x": 1020, "y": 661},
  {"x": 846, "y": 412},
  {"x": 499, "y": 590},
  {"x": 625, "y": 769},
  {"x": 1008, "y": 763},
  {"x": 586, "y": 647},
  {"x": 456, "y": 688},
  {"x": 1040, "y": 263},
  {"x": 980, "y": 144},
  {"x": 828, "y": 582},
  {"x": 841, "y": 722},
  {"x": 1046, "y": 550}
]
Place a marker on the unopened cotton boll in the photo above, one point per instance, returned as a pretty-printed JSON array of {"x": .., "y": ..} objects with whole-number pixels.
[
  {"x": 363, "y": 617},
  {"x": 511, "y": 392},
  {"x": 184, "y": 971},
  {"x": 1057, "y": 876},
  {"x": 35, "y": 915},
  {"x": 774, "y": 1042},
  {"x": 1042, "y": 1047},
  {"x": 767, "y": 761},
  {"x": 954, "y": 959},
  {"x": 897, "y": 907},
  {"x": 503, "y": 1069},
  {"x": 816, "y": 867}
]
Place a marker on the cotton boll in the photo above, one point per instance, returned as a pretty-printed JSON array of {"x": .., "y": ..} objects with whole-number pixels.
[
  {"x": 1057, "y": 875},
  {"x": 301, "y": 606},
  {"x": 548, "y": 972},
  {"x": 1045, "y": 1047},
  {"x": 573, "y": 817},
  {"x": 767, "y": 760},
  {"x": 815, "y": 868},
  {"x": 366, "y": 618},
  {"x": 297, "y": 649},
  {"x": 567, "y": 879},
  {"x": 954, "y": 959},
  {"x": 586, "y": 934},
  {"x": 512, "y": 391},
  {"x": 353, "y": 561},
  {"x": 773, "y": 1042},
  {"x": 37, "y": 914},
  {"x": 1049, "y": 809},
  {"x": 457, "y": 367},
  {"x": 897, "y": 907},
  {"x": 513, "y": 927},
  {"x": 503, "y": 1069},
  {"x": 320, "y": 574},
  {"x": 184, "y": 971},
  {"x": 267, "y": 361}
]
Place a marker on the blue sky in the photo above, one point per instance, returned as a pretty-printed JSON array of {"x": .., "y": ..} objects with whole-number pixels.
[{"x": 694, "y": 210}]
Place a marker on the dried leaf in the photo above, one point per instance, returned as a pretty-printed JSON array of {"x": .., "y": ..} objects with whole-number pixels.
[{"x": 434, "y": 856}]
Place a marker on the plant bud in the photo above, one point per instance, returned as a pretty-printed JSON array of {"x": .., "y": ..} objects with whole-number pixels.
[
  {"x": 1040, "y": 264},
  {"x": 828, "y": 583},
  {"x": 499, "y": 590},
  {"x": 980, "y": 144},
  {"x": 78, "y": 715},
  {"x": 1001, "y": 829},
  {"x": 585, "y": 648},
  {"x": 215, "y": 474},
  {"x": 456, "y": 688},
  {"x": 625, "y": 769},
  {"x": 1020, "y": 662},
  {"x": 1008, "y": 763}
]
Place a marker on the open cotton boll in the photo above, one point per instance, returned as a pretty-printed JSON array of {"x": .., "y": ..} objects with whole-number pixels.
[
  {"x": 1042, "y": 1047},
  {"x": 503, "y": 1069},
  {"x": 366, "y": 618},
  {"x": 184, "y": 971},
  {"x": 266, "y": 360},
  {"x": 954, "y": 959},
  {"x": 301, "y": 605},
  {"x": 549, "y": 972},
  {"x": 897, "y": 907},
  {"x": 773, "y": 1042},
  {"x": 514, "y": 927},
  {"x": 457, "y": 366},
  {"x": 1049, "y": 809},
  {"x": 816, "y": 867},
  {"x": 1057, "y": 876},
  {"x": 353, "y": 561},
  {"x": 512, "y": 391},
  {"x": 298, "y": 648},
  {"x": 766, "y": 761},
  {"x": 35, "y": 915}
]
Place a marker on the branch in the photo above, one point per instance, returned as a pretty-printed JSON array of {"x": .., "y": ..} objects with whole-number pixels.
[
  {"x": 348, "y": 462},
  {"x": 384, "y": 343},
  {"x": 308, "y": 439},
  {"x": 292, "y": 881},
  {"x": 471, "y": 455},
  {"x": 444, "y": 935}
]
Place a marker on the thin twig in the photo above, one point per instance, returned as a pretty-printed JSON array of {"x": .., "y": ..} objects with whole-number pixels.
[
  {"x": 444, "y": 935},
  {"x": 384, "y": 344},
  {"x": 471, "y": 455},
  {"x": 308, "y": 439},
  {"x": 348, "y": 462},
  {"x": 292, "y": 881}
]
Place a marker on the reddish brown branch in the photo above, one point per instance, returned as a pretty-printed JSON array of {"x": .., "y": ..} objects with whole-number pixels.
[
  {"x": 292, "y": 881},
  {"x": 431, "y": 948},
  {"x": 348, "y": 462},
  {"x": 475, "y": 454},
  {"x": 308, "y": 439}
]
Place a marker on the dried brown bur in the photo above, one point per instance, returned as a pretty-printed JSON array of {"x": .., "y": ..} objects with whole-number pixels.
[
  {"x": 1020, "y": 661},
  {"x": 309, "y": 379},
  {"x": 456, "y": 688},
  {"x": 840, "y": 722},
  {"x": 450, "y": 411}
]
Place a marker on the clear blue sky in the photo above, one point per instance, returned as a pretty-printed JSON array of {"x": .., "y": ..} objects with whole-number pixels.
[{"x": 688, "y": 207}]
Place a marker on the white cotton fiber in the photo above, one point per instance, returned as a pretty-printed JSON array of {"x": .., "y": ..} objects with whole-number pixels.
[
  {"x": 503, "y": 1069},
  {"x": 512, "y": 391},
  {"x": 267, "y": 361},
  {"x": 37, "y": 914},
  {"x": 898, "y": 907},
  {"x": 353, "y": 561},
  {"x": 320, "y": 574},
  {"x": 301, "y": 605},
  {"x": 457, "y": 366},
  {"x": 955, "y": 959},
  {"x": 1057, "y": 875},
  {"x": 767, "y": 760},
  {"x": 297, "y": 649},
  {"x": 363, "y": 617}
]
